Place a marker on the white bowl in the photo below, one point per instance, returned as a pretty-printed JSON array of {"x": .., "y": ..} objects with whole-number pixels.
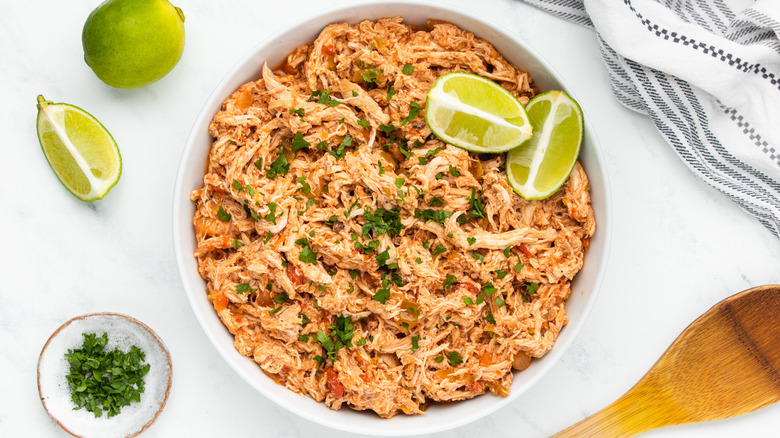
[{"x": 439, "y": 416}]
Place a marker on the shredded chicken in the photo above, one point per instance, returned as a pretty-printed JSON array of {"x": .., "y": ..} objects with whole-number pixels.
[{"x": 358, "y": 259}]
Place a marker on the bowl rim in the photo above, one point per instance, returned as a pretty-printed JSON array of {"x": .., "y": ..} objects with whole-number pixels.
[{"x": 228, "y": 353}]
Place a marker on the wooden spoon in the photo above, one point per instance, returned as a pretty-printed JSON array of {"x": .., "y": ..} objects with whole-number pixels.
[{"x": 726, "y": 363}]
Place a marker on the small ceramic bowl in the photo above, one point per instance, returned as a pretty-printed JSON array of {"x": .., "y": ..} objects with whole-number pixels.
[
  {"x": 123, "y": 332},
  {"x": 438, "y": 417}
]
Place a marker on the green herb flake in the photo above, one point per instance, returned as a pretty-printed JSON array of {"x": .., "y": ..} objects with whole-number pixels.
[
  {"x": 237, "y": 185},
  {"x": 298, "y": 111},
  {"x": 468, "y": 301},
  {"x": 273, "y": 311},
  {"x": 471, "y": 240},
  {"x": 518, "y": 267},
  {"x": 281, "y": 298},
  {"x": 449, "y": 281},
  {"x": 280, "y": 166},
  {"x": 298, "y": 142},
  {"x": 381, "y": 295},
  {"x": 499, "y": 302},
  {"x": 491, "y": 319},
  {"x": 387, "y": 128},
  {"x": 418, "y": 261},
  {"x": 307, "y": 255},
  {"x": 355, "y": 93},
  {"x": 399, "y": 182},
  {"x": 500, "y": 273},
  {"x": 323, "y": 97},
  {"x": 243, "y": 288},
  {"x": 390, "y": 93},
  {"x": 454, "y": 171},
  {"x": 305, "y": 187},
  {"x": 439, "y": 359},
  {"x": 455, "y": 358},
  {"x": 507, "y": 251},
  {"x": 363, "y": 122},
  {"x": 407, "y": 69},
  {"x": 415, "y": 343},
  {"x": 414, "y": 111},
  {"x": 438, "y": 250},
  {"x": 237, "y": 244},
  {"x": 531, "y": 288},
  {"x": 478, "y": 256},
  {"x": 223, "y": 215}
]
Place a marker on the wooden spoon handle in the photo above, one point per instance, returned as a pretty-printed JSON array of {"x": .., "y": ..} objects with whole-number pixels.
[{"x": 633, "y": 413}]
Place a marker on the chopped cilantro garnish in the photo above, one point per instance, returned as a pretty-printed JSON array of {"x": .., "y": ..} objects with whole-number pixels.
[
  {"x": 439, "y": 359},
  {"x": 243, "y": 288},
  {"x": 282, "y": 297},
  {"x": 499, "y": 302},
  {"x": 381, "y": 167},
  {"x": 237, "y": 244},
  {"x": 105, "y": 380},
  {"x": 250, "y": 190},
  {"x": 415, "y": 343},
  {"x": 223, "y": 215},
  {"x": 478, "y": 256},
  {"x": 304, "y": 318},
  {"x": 355, "y": 93},
  {"x": 489, "y": 289},
  {"x": 390, "y": 93},
  {"x": 491, "y": 319},
  {"x": 436, "y": 202},
  {"x": 518, "y": 267},
  {"x": 298, "y": 142},
  {"x": 237, "y": 185},
  {"x": 280, "y": 166},
  {"x": 454, "y": 170},
  {"x": 363, "y": 122},
  {"x": 507, "y": 251},
  {"x": 298, "y": 111},
  {"x": 407, "y": 69},
  {"x": 307, "y": 255},
  {"x": 387, "y": 128},
  {"x": 382, "y": 221},
  {"x": 418, "y": 261},
  {"x": 438, "y": 216},
  {"x": 414, "y": 111},
  {"x": 399, "y": 182},
  {"x": 477, "y": 209},
  {"x": 381, "y": 295},
  {"x": 500, "y": 274},
  {"x": 323, "y": 96},
  {"x": 455, "y": 358},
  {"x": 305, "y": 187},
  {"x": 438, "y": 250},
  {"x": 383, "y": 257},
  {"x": 468, "y": 301},
  {"x": 273, "y": 311},
  {"x": 449, "y": 281},
  {"x": 531, "y": 288}
]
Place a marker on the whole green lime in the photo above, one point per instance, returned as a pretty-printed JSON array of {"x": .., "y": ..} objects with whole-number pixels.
[{"x": 133, "y": 43}]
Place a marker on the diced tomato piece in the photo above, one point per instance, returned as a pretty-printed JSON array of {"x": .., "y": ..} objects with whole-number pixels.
[{"x": 336, "y": 388}]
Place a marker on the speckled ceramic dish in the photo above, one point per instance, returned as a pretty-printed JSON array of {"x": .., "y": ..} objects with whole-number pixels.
[
  {"x": 123, "y": 332},
  {"x": 438, "y": 416}
]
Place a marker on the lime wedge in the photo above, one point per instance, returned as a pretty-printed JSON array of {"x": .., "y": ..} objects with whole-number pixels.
[
  {"x": 540, "y": 167},
  {"x": 80, "y": 151},
  {"x": 476, "y": 114}
]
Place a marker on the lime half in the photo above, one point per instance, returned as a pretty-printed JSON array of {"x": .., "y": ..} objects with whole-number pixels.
[
  {"x": 476, "y": 114},
  {"x": 80, "y": 151},
  {"x": 540, "y": 167}
]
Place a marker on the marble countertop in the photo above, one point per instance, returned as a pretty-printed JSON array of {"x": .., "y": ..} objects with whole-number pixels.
[{"x": 678, "y": 246}]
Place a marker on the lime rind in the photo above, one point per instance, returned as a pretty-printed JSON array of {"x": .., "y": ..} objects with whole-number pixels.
[
  {"x": 539, "y": 161},
  {"x": 478, "y": 122},
  {"x": 78, "y": 171}
]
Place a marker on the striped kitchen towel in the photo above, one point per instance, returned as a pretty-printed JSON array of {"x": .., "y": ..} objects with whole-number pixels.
[{"x": 707, "y": 72}]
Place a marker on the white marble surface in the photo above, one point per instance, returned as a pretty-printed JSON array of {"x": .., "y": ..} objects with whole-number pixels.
[{"x": 678, "y": 245}]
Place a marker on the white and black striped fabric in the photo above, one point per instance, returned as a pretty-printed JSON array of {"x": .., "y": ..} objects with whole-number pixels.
[{"x": 707, "y": 72}]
